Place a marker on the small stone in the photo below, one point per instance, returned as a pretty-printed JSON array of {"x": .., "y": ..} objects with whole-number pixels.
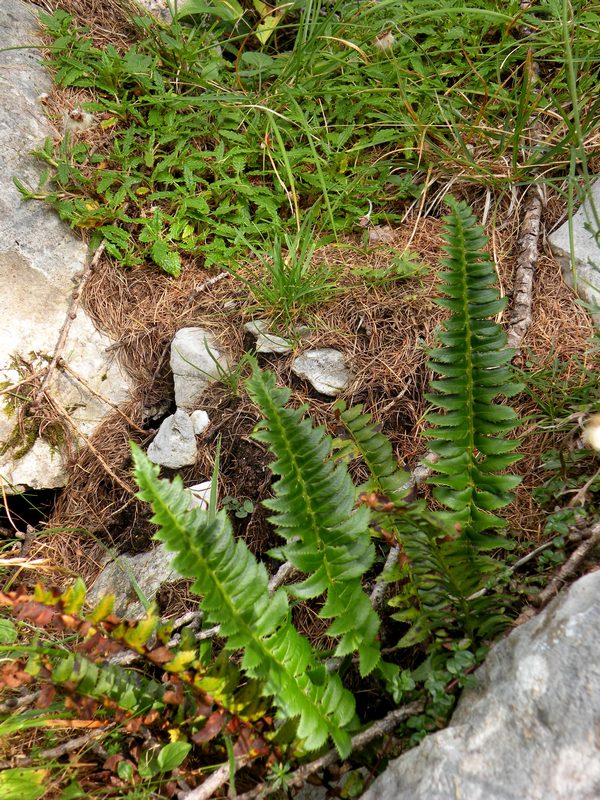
[
  {"x": 200, "y": 495},
  {"x": 200, "y": 421},
  {"x": 325, "y": 369},
  {"x": 586, "y": 247},
  {"x": 174, "y": 445},
  {"x": 196, "y": 362},
  {"x": 267, "y": 342}
]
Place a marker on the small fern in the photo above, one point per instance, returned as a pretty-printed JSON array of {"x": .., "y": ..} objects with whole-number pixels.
[
  {"x": 474, "y": 367},
  {"x": 313, "y": 505},
  {"x": 234, "y": 587},
  {"x": 376, "y": 450}
]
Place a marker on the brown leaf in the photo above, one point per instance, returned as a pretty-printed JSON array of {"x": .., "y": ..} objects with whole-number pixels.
[
  {"x": 160, "y": 655},
  {"x": 46, "y": 695},
  {"x": 212, "y": 727},
  {"x": 112, "y": 761}
]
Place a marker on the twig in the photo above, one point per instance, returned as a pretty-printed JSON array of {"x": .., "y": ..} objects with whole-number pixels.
[
  {"x": 284, "y": 572},
  {"x": 567, "y": 571},
  {"x": 214, "y": 782},
  {"x": 208, "y": 283},
  {"x": 65, "y": 415},
  {"x": 520, "y": 315},
  {"x": 377, "y": 729},
  {"x": 18, "y": 702},
  {"x": 73, "y": 744},
  {"x": 378, "y": 593},
  {"x": 62, "y": 364},
  {"x": 71, "y": 315}
]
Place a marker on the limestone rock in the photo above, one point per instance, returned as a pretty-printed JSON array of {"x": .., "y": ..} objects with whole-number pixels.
[
  {"x": 587, "y": 249},
  {"x": 325, "y": 369},
  {"x": 200, "y": 421},
  {"x": 529, "y": 730},
  {"x": 195, "y": 363},
  {"x": 174, "y": 445},
  {"x": 267, "y": 342},
  {"x": 150, "y": 570},
  {"x": 39, "y": 257}
]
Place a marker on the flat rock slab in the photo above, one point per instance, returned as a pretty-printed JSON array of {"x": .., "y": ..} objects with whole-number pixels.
[
  {"x": 586, "y": 247},
  {"x": 325, "y": 369},
  {"x": 266, "y": 341},
  {"x": 530, "y": 730},
  {"x": 39, "y": 259},
  {"x": 149, "y": 570},
  {"x": 196, "y": 362}
]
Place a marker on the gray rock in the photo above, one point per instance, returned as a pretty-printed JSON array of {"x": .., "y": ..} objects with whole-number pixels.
[
  {"x": 195, "y": 362},
  {"x": 39, "y": 257},
  {"x": 530, "y": 730},
  {"x": 586, "y": 244},
  {"x": 200, "y": 495},
  {"x": 267, "y": 342},
  {"x": 150, "y": 571},
  {"x": 325, "y": 369},
  {"x": 174, "y": 445}
]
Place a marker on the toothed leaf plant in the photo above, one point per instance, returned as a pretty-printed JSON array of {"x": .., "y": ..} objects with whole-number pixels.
[{"x": 473, "y": 363}]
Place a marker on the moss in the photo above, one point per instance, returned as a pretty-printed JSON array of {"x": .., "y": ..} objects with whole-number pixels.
[
  {"x": 54, "y": 434},
  {"x": 22, "y": 438}
]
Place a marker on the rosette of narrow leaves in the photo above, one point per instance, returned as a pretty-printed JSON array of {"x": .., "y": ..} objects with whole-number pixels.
[
  {"x": 313, "y": 505},
  {"x": 474, "y": 365},
  {"x": 234, "y": 588}
]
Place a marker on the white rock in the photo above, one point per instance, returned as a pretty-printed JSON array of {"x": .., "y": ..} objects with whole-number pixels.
[
  {"x": 200, "y": 421},
  {"x": 174, "y": 445},
  {"x": 586, "y": 248},
  {"x": 267, "y": 342},
  {"x": 195, "y": 363},
  {"x": 325, "y": 369},
  {"x": 200, "y": 494},
  {"x": 39, "y": 258}
]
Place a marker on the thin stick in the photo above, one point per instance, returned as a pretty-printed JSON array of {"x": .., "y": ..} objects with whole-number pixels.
[
  {"x": 62, "y": 364},
  {"x": 71, "y": 315},
  {"x": 567, "y": 571},
  {"x": 65, "y": 415},
  {"x": 521, "y": 311},
  {"x": 284, "y": 572},
  {"x": 377, "y": 729},
  {"x": 218, "y": 778},
  {"x": 378, "y": 593}
]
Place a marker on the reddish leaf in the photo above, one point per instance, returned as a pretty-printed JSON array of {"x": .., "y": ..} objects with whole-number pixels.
[
  {"x": 160, "y": 655},
  {"x": 46, "y": 695},
  {"x": 212, "y": 727},
  {"x": 112, "y": 761}
]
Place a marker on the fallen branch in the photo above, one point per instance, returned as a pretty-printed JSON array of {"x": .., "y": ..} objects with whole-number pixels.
[{"x": 377, "y": 729}]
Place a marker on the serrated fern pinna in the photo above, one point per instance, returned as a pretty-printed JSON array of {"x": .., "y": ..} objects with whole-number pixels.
[
  {"x": 313, "y": 505},
  {"x": 474, "y": 365},
  {"x": 234, "y": 588}
]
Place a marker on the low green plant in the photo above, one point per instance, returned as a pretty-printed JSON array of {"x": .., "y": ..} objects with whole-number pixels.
[
  {"x": 283, "y": 279},
  {"x": 448, "y": 589},
  {"x": 474, "y": 364}
]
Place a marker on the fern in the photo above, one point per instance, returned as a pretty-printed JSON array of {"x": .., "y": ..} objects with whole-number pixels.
[
  {"x": 376, "y": 450},
  {"x": 235, "y": 594},
  {"x": 314, "y": 512},
  {"x": 474, "y": 368}
]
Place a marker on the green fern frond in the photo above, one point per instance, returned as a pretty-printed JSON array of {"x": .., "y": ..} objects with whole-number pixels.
[
  {"x": 376, "y": 450},
  {"x": 474, "y": 365},
  {"x": 314, "y": 512},
  {"x": 234, "y": 587}
]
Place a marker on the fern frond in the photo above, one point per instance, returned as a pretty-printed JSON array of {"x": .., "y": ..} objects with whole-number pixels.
[
  {"x": 314, "y": 512},
  {"x": 376, "y": 450},
  {"x": 474, "y": 365},
  {"x": 234, "y": 587}
]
